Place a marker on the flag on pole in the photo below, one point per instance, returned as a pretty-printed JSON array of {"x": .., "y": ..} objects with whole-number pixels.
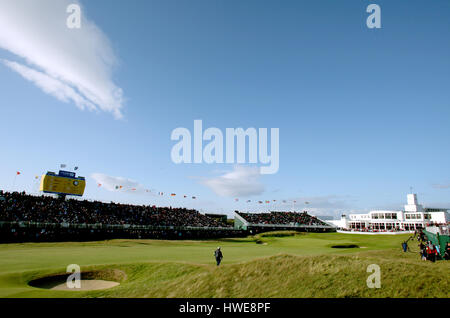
[
  {"x": 173, "y": 194},
  {"x": 267, "y": 201},
  {"x": 185, "y": 196},
  {"x": 99, "y": 185},
  {"x": 17, "y": 173},
  {"x": 194, "y": 198},
  {"x": 248, "y": 201},
  {"x": 76, "y": 168},
  {"x": 63, "y": 165},
  {"x": 37, "y": 177},
  {"x": 117, "y": 187}
]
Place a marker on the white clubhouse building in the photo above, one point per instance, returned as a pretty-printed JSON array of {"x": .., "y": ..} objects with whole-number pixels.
[{"x": 413, "y": 216}]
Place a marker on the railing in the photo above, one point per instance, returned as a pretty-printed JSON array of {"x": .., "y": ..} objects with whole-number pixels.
[
  {"x": 292, "y": 225},
  {"x": 24, "y": 224}
]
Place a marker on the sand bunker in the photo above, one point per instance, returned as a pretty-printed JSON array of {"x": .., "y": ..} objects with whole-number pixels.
[
  {"x": 88, "y": 285},
  {"x": 345, "y": 246},
  {"x": 92, "y": 280}
]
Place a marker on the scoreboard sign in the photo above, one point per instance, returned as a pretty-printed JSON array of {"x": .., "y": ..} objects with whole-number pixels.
[{"x": 63, "y": 183}]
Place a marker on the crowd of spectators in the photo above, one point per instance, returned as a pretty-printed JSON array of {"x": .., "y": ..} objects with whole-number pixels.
[
  {"x": 20, "y": 207},
  {"x": 428, "y": 250},
  {"x": 282, "y": 218}
]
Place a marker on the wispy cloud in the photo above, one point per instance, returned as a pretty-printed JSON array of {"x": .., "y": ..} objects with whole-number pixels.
[
  {"x": 110, "y": 183},
  {"x": 329, "y": 205},
  {"x": 441, "y": 186},
  {"x": 241, "y": 182},
  {"x": 50, "y": 85},
  {"x": 70, "y": 64}
]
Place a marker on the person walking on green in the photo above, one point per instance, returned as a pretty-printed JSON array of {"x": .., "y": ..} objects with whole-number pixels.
[{"x": 218, "y": 255}]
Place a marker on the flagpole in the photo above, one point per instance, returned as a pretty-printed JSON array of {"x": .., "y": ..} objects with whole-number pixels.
[{"x": 14, "y": 182}]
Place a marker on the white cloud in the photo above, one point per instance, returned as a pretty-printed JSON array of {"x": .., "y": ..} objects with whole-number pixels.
[
  {"x": 70, "y": 64},
  {"x": 110, "y": 183},
  {"x": 241, "y": 182}
]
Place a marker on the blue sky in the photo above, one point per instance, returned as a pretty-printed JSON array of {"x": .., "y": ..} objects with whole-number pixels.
[{"x": 363, "y": 113}]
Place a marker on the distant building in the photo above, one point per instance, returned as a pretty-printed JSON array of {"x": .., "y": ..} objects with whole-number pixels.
[{"x": 412, "y": 217}]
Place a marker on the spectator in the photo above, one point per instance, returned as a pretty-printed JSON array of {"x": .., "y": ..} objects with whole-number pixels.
[
  {"x": 447, "y": 252},
  {"x": 405, "y": 246}
]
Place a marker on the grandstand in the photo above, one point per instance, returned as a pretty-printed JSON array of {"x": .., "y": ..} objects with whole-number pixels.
[
  {"x": 42, "y": 218},
  {"x": 273, "y": 221},
  {"x": 24, "y": 217}
]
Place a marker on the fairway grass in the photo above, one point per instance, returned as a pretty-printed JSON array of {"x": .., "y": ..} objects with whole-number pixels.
[{"x": 302, "y": 265}]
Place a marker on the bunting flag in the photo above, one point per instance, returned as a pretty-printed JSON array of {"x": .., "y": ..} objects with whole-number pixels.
[
  {"x": 173, "y": 194},
  {"x": 99, "y": 185},
  {"x": 185, "y": 196},
  {"x": 269, "y": 201},
  {"x": 17, "y": 173},
  {"x": 194, "y": 198}
]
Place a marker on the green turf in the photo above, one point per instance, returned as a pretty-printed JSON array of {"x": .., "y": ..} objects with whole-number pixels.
[{"x": 263, "y": 266}]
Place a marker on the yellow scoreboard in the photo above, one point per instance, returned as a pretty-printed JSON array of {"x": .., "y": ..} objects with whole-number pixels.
[{"x": 63, "y": 183}]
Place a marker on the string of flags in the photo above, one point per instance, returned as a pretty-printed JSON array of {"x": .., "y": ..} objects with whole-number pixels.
[
  {"x": 120, "y": 187},
  {"x": 269, "y": 201},
  {"x": 63, "y": 165}
]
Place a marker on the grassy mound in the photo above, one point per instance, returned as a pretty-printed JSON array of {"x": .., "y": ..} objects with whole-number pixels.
[
  {"x": 259, "y": 238},
  {"x": 279, "y": 234},
  {"x": 289, "y": 276}
]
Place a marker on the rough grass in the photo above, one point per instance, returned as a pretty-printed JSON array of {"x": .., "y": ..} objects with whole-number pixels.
[{"x": 288, "y": 266}]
